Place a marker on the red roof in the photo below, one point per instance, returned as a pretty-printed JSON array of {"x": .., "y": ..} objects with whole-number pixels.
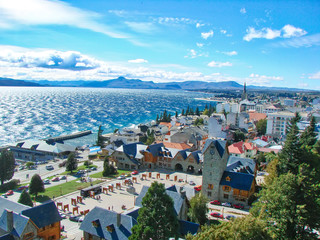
[
  {"x": 181, "y": 146},
  {"x": 254, "y": 116},
  {"x": 240, "y": 147}
]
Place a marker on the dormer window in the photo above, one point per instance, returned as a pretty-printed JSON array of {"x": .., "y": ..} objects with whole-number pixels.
[{"x": 228, "y": 179}]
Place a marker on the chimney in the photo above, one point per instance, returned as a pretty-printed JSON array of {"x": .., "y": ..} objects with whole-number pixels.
[
  {"x": 118, "y": 219},
  {"x": 9, "y": 220}
]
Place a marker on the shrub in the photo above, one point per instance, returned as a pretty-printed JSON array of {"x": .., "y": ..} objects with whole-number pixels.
[{"x": 10, "y": 185}]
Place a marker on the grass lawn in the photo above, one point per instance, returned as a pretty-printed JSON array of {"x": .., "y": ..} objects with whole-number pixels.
[
  {"x": 63, "y": 189},
  {"x": 120, "y": 172},
  {"x": 82, "y": 167}
]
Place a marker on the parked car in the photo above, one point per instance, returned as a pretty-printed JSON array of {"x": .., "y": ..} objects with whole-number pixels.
[
  {"x": 238, "y": 206},
  {"x": 63, "y": 177},
  {"x": 55, "y": 179},
  {"x": 75, "y": 219},
  {"x": 10, "y": 192},
  {"x": 21, "y": 168},
  {"x": 192, "y": 183},
  {"x": 230, "y": 217},
  {"x": 46, "y": 181},
  {"x": 62, "y": 164},
  {"x": 226, "y": 204},
  {"x": 49, "y": 167},
  {"x": 198, "y": 188},
  {"x": 21, "y": 188},
  {"x": 216, "y": 214},
  {"x": 121, "y": 177},
  {"x": 63, "y": 216},
  {"x": 215, "y": 202},
  {"x": 93, "y": 169},
  {"x": 135, "y": 172}
]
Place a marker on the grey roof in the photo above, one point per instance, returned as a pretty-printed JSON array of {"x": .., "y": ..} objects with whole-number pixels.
[
  {"x": 239, "y": 164},
  {"x": 176, "y": 197},
  {"x": 7, "y": 204},
  {"x": 155, "y": 149},
  {"x": 44, "y": 214},
  {"x": 41, "y": 145},
  {"x": 19, "y": 223},
  {"x": 219, "y": 144},
  {"x": 105, "y": 218}
]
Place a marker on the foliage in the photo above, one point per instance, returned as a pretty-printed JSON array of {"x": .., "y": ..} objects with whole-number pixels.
[
  {"x": 36, "y": 185},
  {"x": 72, "y": 163},
  {"x": 108, "y": 169},
  {"x": 241, "y": 228},
  {"x": 238, "y": 136},
  {"x": 198, "y": 122},
  {"x": 157, "y": 218},
  {"x": 165, "y": 117},
  {"x": 272, "y": 170},
  {"x": 7, "y": 166},
  {"x": 100, "y": 141},
  {"x": 309, "y": 137},
  {"x": 25, "y": 198},
  {"x": 261, "y": 126},
  {"x": 150, "y": 137},
  {"x": 260, "y": 158},
  {"x": 29, "y": 164},
  {"x": 12, "y": 184},
  {"x": 86, "y": 163},
  {"x": 198, "y": 209}
]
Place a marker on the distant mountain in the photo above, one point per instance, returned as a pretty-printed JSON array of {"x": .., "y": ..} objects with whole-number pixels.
[
  {"x": 122, "y": 82},
  {"x": 17, "y": 83}
]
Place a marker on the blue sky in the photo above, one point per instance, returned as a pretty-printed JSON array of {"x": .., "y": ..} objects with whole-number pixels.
[{"x": 265, "y": 43}]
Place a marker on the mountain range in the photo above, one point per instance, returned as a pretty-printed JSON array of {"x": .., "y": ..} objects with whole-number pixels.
[{"x": 122, "y": 82}]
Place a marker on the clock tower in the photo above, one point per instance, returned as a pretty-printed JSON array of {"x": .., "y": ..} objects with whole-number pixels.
[{"x": 215, "y": 158}]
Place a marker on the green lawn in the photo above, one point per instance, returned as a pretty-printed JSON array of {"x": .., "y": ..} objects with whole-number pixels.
[
  {"x": 120, "y": 172},
  {"x": 82, "y": 167},
  {"x": 63, "y": 189}
]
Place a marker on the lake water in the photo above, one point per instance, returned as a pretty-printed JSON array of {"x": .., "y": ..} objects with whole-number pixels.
[{"x": 35, "y": 113}]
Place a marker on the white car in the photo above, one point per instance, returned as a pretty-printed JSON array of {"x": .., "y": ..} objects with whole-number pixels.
[
  {"x": 121, "y": 177},
  {"x": 192, "y": 183},
  {"x": 46, "y": 181}
]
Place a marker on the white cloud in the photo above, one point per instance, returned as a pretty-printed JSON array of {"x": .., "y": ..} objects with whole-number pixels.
[
  {"x": 287, "y": 31},
  {"x": 198, "y": 25},
  {"x": 264, "y": 77},
  {"x": 232, "y": 53},
  {"x": 206, "y": 35},
  {"x": 219, "y": 64},
  {"x": 223, "y": 31},
  {"x": 243, "y": 11},
  {"x": 200, "y": 45},
  {"x": 291, "y": 31},
  {"x": 138, "y": 60},
  {"x": 174, "y": 20},
  {"x": 315, "y": 75},
  {"x": 141, "y": 27},
  {"x": 307, "y": 41},
  {"x": 15, "y": 13}
]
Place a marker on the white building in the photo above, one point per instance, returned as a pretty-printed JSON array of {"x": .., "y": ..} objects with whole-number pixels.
[{"x": 277, "y": 123}]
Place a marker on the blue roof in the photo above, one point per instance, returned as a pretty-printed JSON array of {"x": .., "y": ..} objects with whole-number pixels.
[
  {"x": 6, "y": 237},
  {"x": 239, "y": 164},
  {"x": 155, "y": 149},
  {"x": 260, "y": 142},
  {"x": 219, "y": 144},
  {"x": 188, "y": 227},
  {"x": 176, "y": 197},
  {"x": 196, "y": 155},
  {"x": 44, "y": 214},
  {"x": 106, "y": 218},
  {"x": 7, "y": 204},
  {"x": 238, "y": 180},
  {"x": 19, "y": 223}
]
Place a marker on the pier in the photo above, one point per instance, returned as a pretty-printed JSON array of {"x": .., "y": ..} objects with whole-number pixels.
[{"x": 69, "y": 136}]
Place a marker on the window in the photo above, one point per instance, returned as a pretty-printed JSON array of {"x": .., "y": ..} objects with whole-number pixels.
[
  {"x": 52, "y": 237},
  {"x": 209, "y": 194},
  {"x": 28, "y": 235},
  {"x": 210, "y": 186},
  {"x": 226, "y": 196},
  {"x": 226, "y": 188}
]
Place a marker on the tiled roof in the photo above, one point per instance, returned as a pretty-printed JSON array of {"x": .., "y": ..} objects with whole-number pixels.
[
  {"x": 7, "y": 204},
  {"x": 188, "y": 227},
  {"x": 254, "y": 116},
  {"x": 239, "y": 147},
  {"x": 260, "y": 142},
  {"x": 181, "y": 146},
  {"x": 268, "y": 150},
  {"x": 155, "y": 149},
  {"x": 219, "y": 144},
  {"x": 241, "y": 181},
  {"x": 104, "y": 219},
  {"x": 246, "y": 165},
  {"x": 44, "y": 214},
  {"x": 19, "y": 223}
]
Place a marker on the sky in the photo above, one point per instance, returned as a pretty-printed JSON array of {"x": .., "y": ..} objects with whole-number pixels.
[{"x": 262, "y": 43}]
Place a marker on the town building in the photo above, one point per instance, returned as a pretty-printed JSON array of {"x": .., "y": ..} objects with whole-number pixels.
[
  {"x": 243, "y": 149},
  {"x": 277, "y": 123},
  {"x": 18, "y": 221}
]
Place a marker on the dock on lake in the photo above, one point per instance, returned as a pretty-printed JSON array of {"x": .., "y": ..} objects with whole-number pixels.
[{"x": 69, "y": 136}]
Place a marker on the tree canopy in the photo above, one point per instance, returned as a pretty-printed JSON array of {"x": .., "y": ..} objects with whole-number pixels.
[
  {"x": 157, "y": 219},
  {"x": 25, "y": 198},
  {"x": 198, "y": 209},
  {"x": 100, "y": 141},
  {"x": 36, "y": 185},
  {"x": 71, "y": 163},
  {"x": 7, "y": 166},
  {"x": 261, "y": 126}
]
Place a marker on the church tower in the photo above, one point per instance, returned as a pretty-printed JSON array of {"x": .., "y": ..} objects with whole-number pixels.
[
  {"x": 215, "y": 158},
  {"x": 244, "y": 94}
]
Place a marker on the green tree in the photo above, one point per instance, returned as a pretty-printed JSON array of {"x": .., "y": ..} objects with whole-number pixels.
[
  {"x": 25, "y": 198},
  {"x": 309, "y": 137},
  {"x": 100, "y": 141},
  {"x": 71, "y": 163},
  {"x": 7, "y": 166},
  {"x": 182, "y": 113},
  {"x": 108, "y": 169},
  {"x": 238, "y": 136},
  {"x": 36, "y": 185},
  {"x": 198, "y": 209},
  {"x": 262, "y": 126},
  {"x": 197, "y": 111},
  {"x": 157, "y": 219},
  {"x": 242, "y": 228},
  {"x": 206, "y": 112}
]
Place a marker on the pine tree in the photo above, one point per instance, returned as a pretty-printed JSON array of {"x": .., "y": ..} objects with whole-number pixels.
[
  {"x": 7, "y": 166},
  {"x": 157, "y": 219},
  {"x": 309, "y": 137},
  {"x": 25, "y": 199},
  {"x": 182, "y": 113},
  {"x": 99, "y": 141},
  {"x": 72, "y": 163},
  {"x": 106, "y": 167},
  {"x": 36, "y": 185},
  {"x": 197, "y": 111},
  {"x": 176, "y": 114}
]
